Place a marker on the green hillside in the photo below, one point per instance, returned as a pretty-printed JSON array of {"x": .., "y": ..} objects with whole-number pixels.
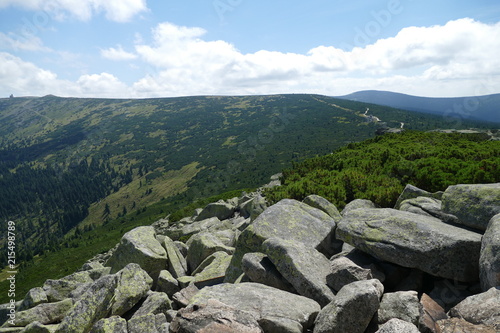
[
  {"x": 378, "y": 169},
  {"x": 68, "y": 162}
]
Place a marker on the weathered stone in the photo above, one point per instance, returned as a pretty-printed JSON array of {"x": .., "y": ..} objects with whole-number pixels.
[
  {"x": 253, "y": 207},
  {"x": 398, "y": 326},
  {"x": 11, "y": 330},
  {"x": 214, "y": 316},
  {"x": 112, "y": 324},
  {"x": 227, "y": 237},
  {"x": 474, "y": 205},
  {"x": 161, "y": 323},
  {"x": 8, "y": 310},
  {"x": 280, "y": 325},
  {"x": 167, "y": 283},
  {"x": 94, "y": 305},
  {"x": 177, "y": 264},
  {"x": 141, "y": 247},
  {"x": 411, "y": 192},
  {"x": 402, "y": 305},
  {"x": 211, "y": 224},
  {"x": 183, "y": 297},
  {"x": 427, "y": 207},
  {"x": 352, "y": 309},
  {"x": 489, "y": 261},
  {"x": 203, "y": 245},
  {"x": 142, "y": 324},
  {"x": 414, "y": 241},
  {"x": 222, "y": 210},
  {"x": 456, "y": 325},
  {"x": 261, "y": 300},
  {"x": 319, "y": 202},
  {"x": 344, "y": 271},
  {"x": 183, "y": 248},
  {"x": 46, "y": 313},
  {"x": 58, "y": 290},
  {"x": 212, "y": 270},
  {"x": 133, "y": 284},
  {"x": 185, "y": 281},
  {"x": 303, "y": 266},
  {"x": 260, "y": 269},
  {"x": 34, "y": 297},
  {"x": 288, "y": 219},
  {"x": 36, "y": 327},
  {"x": 155, "y": 303},
  {"x": 357, "y": 204},
  {"x": 480, "y": 309},
  {"x": 431, "y": 313}
]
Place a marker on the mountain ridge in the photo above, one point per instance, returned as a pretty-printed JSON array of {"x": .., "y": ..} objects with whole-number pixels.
[{"x": 483, "y": 107}]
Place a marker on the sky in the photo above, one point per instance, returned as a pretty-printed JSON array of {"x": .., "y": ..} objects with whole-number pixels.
[{"x": 167, "y": 48}]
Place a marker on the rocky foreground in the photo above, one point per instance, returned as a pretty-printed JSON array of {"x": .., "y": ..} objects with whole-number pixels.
[{"x": 432, "y": 264}]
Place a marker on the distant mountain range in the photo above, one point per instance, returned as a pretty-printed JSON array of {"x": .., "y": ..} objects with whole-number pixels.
[{"x": 485, "y": 108}]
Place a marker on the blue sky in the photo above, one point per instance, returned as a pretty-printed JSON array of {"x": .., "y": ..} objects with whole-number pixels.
[{"x": 163, "y": 48}]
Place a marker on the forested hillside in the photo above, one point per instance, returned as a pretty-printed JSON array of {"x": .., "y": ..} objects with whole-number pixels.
[
  {"x": 378, "y": 169},
  {"x": 67, "y": 162}
]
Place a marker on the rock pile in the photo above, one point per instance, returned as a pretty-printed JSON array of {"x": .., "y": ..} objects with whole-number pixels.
[{"x": 432, "y": 264}]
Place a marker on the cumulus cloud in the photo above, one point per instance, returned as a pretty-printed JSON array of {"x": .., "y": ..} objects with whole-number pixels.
[
  {"x": 456, "y": 59},
  {"x": 117, "y": 54},
  {"x": 115, "y": 10}
]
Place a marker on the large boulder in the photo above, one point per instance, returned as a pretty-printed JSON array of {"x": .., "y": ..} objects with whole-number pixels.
[
  {"x": 398, "y": 326},
  {"x": 34, "y": 297},
  {"x": 92, "y": 306},
  {"x": 319, "y": 202},
  {"x": 221, "y": 210},
  {"x": 303, "y": 266},
  {"x": 212, "y": 270},
  {"x": 46, "y": 313},
  {"x": 203, "y": 245},
  {"x": 58, "y": 290},
  {"x": 474, "y": 205},
  {"x": 141, "y": 247},
  {"x": 113, "y": 324},
  {"x": 214, "y": 316},
  {"x": 411, "y": 192},
  {"x": 288, "y": 219},
  {"x": 177, "y": 264},
  {"x": 402, "y": 305},
  {"x": 357, "y": 204},
  {"x": 480, "y": 309},
  {"x": 253, "y": 207},
  {"x": 262, "y": 301},
  {"x": 489, "y": 262},
  {"x": 258, "y": 268},
  {"x": 155, "y": 303},
  {"x": 352, "y": 309},
  {"x": 344, "y": 271},
  {"x": 167, "y": 283},
  {"x": 414, "y": 241},
  {"x": 133, "y": 284},
  {"x": 428, "y": 207}
]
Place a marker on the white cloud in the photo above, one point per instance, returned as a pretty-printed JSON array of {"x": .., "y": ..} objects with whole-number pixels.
[
  {"x": 115, "y": 10},
  {"x": 117, "y": 54},
  {"x": 15, "y": 42},
  {"x": 456, "y": 59}
]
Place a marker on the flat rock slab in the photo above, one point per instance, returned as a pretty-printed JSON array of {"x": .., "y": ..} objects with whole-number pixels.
[
  {"x": 263, "y": 301},
  {"x": 414, "y": 241}
]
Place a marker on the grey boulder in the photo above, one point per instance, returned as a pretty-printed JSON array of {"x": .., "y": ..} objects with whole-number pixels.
[
  {"x": 414, "y": 241},
  {"x": 352, "y": 309},
  {"x": 288, "y": 219},
  {"x": 141, "y": 247},
  {"x": 489, "y": 261},
  {"x": 480, "y": 309},
  {"x": 398, "y": 326},
  {"x": 303, "y": 266},
  {"x": 260, "y": 269},
  {"x": 474, "y": 205},
  {"x": 262, "y": 301},
  {"x": 402, "y": 305}
]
